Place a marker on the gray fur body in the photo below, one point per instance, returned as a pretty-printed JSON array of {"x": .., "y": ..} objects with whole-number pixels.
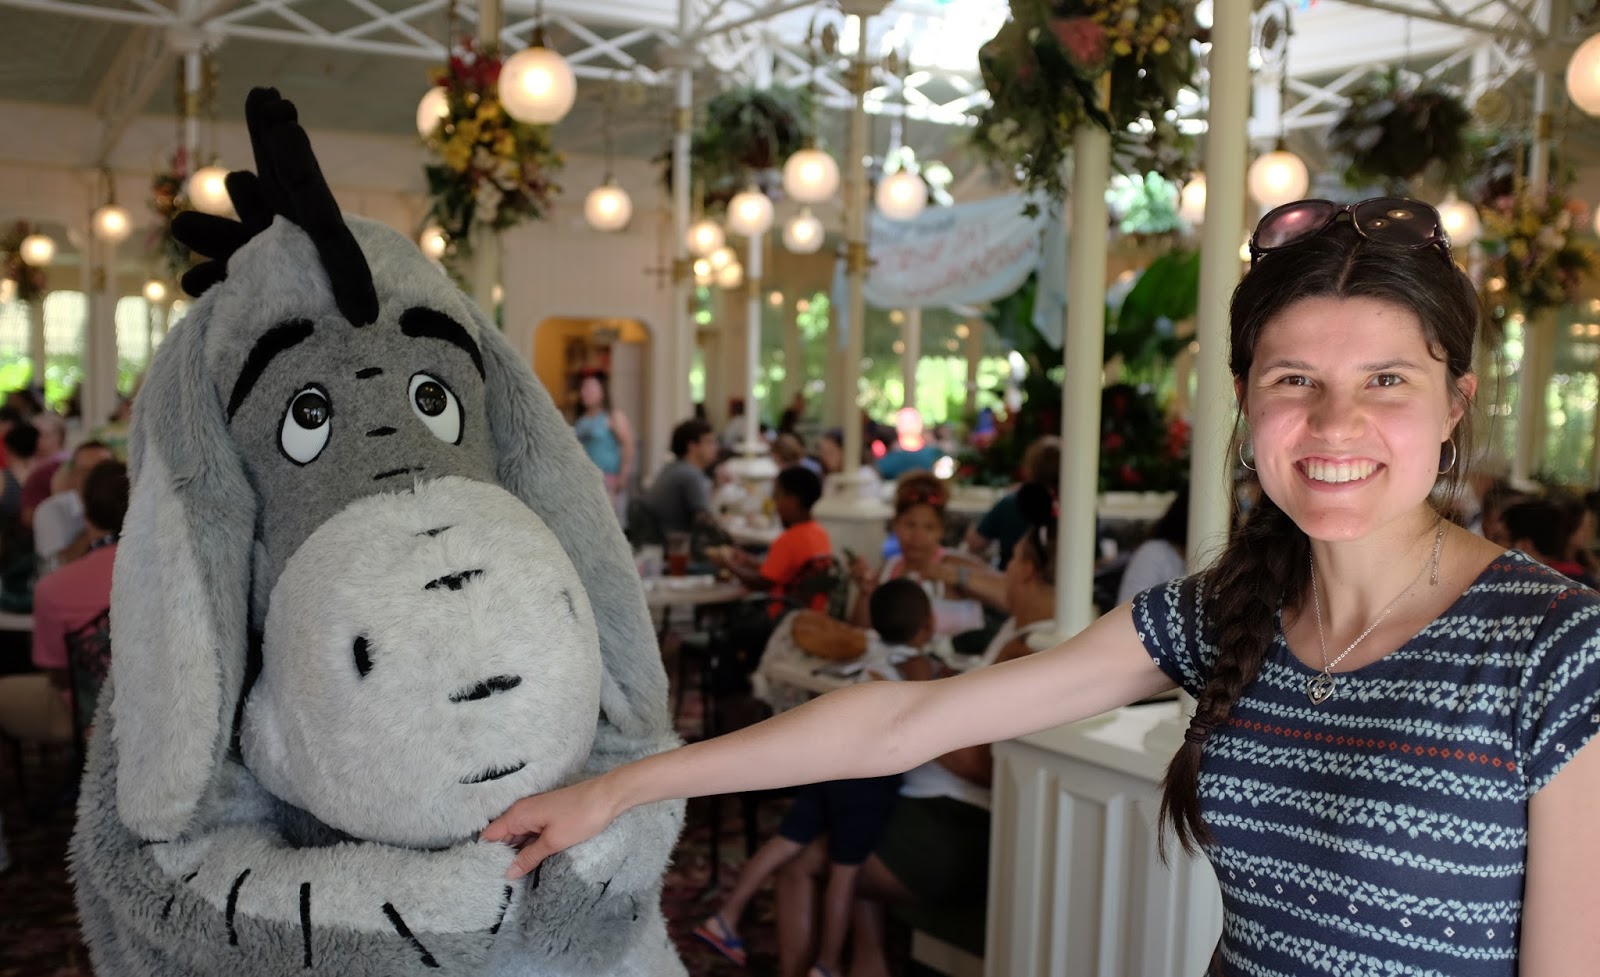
[{"x": 435, "y": 643}]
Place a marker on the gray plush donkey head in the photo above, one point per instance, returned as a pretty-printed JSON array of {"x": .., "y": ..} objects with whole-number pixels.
[{"x": 339, "y": 463}]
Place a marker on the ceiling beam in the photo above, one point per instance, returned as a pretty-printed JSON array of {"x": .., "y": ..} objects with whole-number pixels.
[{"x": 125, "y": 89}]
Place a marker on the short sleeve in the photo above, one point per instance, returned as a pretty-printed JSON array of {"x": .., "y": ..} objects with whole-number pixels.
[
  {"x": 998, "y": 520},
  {"x": 783, "y": 558},
  {"x": 696, "y": 492},
  {"x": 49, "y": 630},
  {"x": 1559, "y": 698},
  {"x": 1169, "y": 620}
]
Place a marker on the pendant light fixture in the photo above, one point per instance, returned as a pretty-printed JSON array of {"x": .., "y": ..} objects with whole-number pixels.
[{"x": 536, "y": 84}]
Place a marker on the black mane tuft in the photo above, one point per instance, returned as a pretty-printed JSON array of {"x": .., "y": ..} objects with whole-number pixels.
[{"x": 287, "y": 183}]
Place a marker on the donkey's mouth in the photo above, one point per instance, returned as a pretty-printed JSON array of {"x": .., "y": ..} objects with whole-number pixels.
[{"x": 493, "y": 773}]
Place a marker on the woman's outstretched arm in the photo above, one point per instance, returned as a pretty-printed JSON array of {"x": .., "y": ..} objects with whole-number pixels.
[{"x": 861, "y": 731}]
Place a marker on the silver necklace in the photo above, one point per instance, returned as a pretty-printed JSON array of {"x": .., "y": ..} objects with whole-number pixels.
[{"x": 1320, "y": 687}]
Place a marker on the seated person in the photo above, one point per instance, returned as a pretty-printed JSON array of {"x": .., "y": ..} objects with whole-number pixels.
[
  {"x": 681, "y": 494},
  {"x": 911, "y": 451},
  {"x": 58, "y": 534},
  {"x": 1159, "y": 558},
  {"x": 37, "y": 706},
  {"x": 1003, "y": 525},
  {"x": 1544, "y": 530},
  {"x": 851, "y": 813},
  {"x": 918, "y": 526},
  {"x": 935, "y": 850}
]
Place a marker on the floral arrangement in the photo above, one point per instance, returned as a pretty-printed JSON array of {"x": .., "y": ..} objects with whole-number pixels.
[
  {"x": 489, "y": 168},
  {"x": 1044, "y": 69},
  {"x": 1392, "y": 131},
  {"x": 745, "y": 136},
  {"x": 1536, "y": 261},
  {"x": 29, "y": 281},
  {"x": 1140, "y": 449},
  {"x": 168, "y": 200}
]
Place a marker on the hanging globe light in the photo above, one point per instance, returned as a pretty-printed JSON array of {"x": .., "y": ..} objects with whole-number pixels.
[
  {"x": 1460, "y": 221},
  {"x": 1277, "y": 178},
  {"x": 705, "y": 236},
  {"x": 536, "y": 84},
  {"x": 432, "y": 110},
  {"x": 208, "y": 191},
  {"x": 730, "y": 276},
  {"x": 37, "y": 250},
  {"x": 112, "y": 224},
  {"x": 155, "y": 291},
  {"x": 1583, "y": 76},
  {"x": 704, "y": 274},
  {"x": 1192, "y": 202},
  {"x": 749, "y": 213},
  {"x": 810, "y": 176},
  {"x": 433, "y": 242},
  {"x": 722, "y": 258},
  {"x": 608, "y": 207},
  {"x": 901, "y": 195},
  {"x": 803, "y": 234}
]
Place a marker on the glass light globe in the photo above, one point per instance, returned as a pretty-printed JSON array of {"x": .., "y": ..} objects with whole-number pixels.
[
  {"x": 155, "y": 291},
  {"x": 722, "y": 258},
  {"x": 608, "y": 207},
  {"x": 749, "y": 213},
  {"x": 803, "y": 234},
  {"x": 703, "y": 272},
  {"x": 38, "y": 250},
  {"x": 810, "y": 176},
  {"x": 208, "y": 191},
  {"x": 901, "y": 195},
  {"x": 537, "y": 86},
  {"x": 1583, "y": 76},
  {"x": 705, "y": 236},
  {"x": 1277, "y": 178},
  {"x": 730, "y": 276},
  {"x": 433, "y": 109},
  {"x": 1460, "y": 220},
  {"x": 433, "y": 242},
  {"x": 1192, "y": 202},
  {"x": 112, "y": 224}
]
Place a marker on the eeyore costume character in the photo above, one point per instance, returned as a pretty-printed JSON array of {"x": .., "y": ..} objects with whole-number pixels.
[{"x": 369, "y": 594}]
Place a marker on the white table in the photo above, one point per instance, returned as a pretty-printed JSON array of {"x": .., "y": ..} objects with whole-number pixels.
[
  {"x": 15, "y": 622},
  {"x": 660, "y": 592},
  {"x": 746, "y": 535}
]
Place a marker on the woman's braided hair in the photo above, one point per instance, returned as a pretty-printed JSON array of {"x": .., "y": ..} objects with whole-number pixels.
[{"x": 1265, "y": 565}]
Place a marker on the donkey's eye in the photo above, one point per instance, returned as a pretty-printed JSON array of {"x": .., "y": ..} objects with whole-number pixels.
[
  {"x": 306, "y": 425},
  {"x": 436, "y": 407}
]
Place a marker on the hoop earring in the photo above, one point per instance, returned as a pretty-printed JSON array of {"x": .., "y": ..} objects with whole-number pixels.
[
  {"x": 1242, "y": 461},
  {"x": 1445, "y": 467}
]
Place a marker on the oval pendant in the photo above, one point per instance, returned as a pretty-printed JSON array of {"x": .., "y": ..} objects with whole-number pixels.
[{"x": 1320, "y": 688}]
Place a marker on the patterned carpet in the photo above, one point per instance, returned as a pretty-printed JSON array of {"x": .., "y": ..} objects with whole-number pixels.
[{"x": 39, "y": 929}]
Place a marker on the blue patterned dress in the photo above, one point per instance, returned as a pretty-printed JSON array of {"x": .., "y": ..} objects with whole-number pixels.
[{"x": 1385, "y": 831}]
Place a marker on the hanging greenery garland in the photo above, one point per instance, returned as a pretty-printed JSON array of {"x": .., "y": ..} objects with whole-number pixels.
[
  {"x": 744, "y": 137},
  {"x": 28, "y": 280}
]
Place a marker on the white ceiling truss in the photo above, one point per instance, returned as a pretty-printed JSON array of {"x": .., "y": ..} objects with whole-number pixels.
[{"x": 765, "y": 42}]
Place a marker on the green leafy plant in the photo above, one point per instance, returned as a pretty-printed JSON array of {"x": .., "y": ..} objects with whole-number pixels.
[
  {"x": 1393, "y": 131},
  {"x": 1044, "y": 70},
  {"x": 744, "y": 137}
]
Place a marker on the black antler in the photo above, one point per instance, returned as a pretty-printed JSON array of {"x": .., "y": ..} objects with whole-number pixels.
[{"x": 290, "y": 185}]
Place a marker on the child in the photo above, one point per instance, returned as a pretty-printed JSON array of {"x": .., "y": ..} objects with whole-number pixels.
[
  {"x": 918, "y": 525},
  {"x": 853, "y": 813}
]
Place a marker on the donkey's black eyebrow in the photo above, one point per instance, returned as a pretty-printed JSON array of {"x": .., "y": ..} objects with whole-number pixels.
[
  {"x": 279, "y": 339},
  {"x": 421, "y": 322}
]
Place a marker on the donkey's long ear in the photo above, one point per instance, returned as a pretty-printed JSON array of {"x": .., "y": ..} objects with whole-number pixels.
[
  {"x": 180, "y": 591},
  {"x": 541, "y": 463}
]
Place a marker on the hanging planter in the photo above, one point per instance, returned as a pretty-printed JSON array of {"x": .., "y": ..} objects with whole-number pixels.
[
  {"x": 1392, "y": 133},
  {"x": 28, "y": 280},
  {"x": 488, "y": 168},
  {"x": 1044, "y": 69},
  {"x": 1537, "y": 258},
  {"x": 746, "y": 135}
]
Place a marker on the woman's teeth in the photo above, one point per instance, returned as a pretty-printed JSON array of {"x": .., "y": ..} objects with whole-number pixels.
[{"x": 1340, "y": 471}]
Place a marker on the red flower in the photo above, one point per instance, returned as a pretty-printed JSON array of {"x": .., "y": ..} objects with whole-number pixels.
[
  {"x": 1130, "y": 477},
  {"x": 1112, "y": 442},
  {"x": 1083, "y": 39}
]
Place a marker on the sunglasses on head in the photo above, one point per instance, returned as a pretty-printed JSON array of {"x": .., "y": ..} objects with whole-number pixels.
[{"x": 1394, "y": 221}]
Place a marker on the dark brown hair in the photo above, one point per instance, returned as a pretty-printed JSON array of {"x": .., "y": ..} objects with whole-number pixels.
[
  {"x": 1265, "y": 564},
  {"x": 1037, "y": 504},
  {"x": 920, "y": 488}
]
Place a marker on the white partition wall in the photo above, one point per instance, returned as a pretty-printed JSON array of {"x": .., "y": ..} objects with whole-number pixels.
[{"x": 1076, "y": 888}]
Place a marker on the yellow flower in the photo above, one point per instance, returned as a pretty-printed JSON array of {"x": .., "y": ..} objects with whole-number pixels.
[
  {"x": 457, "y": 156},
  {"x": 467, "y": 131},
  {"x": 488, "y": 110},
  {"x": 505, "y": 145},
  {"x": 1517, "y": 249},
  {"x": 1161, "y": 46},
  {"x": 1122, "y": 48}
]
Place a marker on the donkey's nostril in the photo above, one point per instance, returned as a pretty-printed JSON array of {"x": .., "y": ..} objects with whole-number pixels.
[
  {"x": 358, "y": 650},
  {"x": 380, "y": 432},
  {"x": 488, "y": 687}
]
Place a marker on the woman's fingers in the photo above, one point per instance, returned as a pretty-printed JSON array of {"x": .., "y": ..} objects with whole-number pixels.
[{"x": 529, "y": 858}]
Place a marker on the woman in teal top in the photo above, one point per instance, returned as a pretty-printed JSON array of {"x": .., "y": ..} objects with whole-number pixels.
[{"x": 607, "y": 437}]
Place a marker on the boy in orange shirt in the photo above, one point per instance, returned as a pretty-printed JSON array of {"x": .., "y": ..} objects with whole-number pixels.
[{"x": 794, "y": 492}]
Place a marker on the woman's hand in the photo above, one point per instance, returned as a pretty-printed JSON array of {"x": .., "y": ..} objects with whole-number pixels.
[
  {"x": 544, "y": 824},
  {"x": 861, "y": 573}
]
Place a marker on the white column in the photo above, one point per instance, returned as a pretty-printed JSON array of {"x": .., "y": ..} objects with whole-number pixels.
[
  {"x": 855, "y": 209},
  {"x": 679, "y": 353},
  {"x": 193, "y": 69},
  {"x": 794, "y": 354},
  {"x": 36, "y": 347},
  {"x": 1210, "y": 468},
  {"x": 99, "y": 394},
  {"x": 752, "y": 346},
  {"x": 1080, "y": 387},
  {"x": 911, "y": 337}
]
